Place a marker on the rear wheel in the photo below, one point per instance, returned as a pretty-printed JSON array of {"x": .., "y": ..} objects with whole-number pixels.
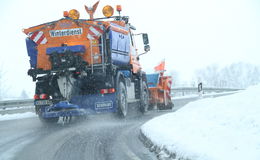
[
  {"x": 122, "y": 100},
  {"x": 144, "y": 97}
]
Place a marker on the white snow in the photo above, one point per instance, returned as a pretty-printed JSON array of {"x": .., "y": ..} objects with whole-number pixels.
[
  {"x": 6, "y": 117},
  {"x": 223, "y": 128}
]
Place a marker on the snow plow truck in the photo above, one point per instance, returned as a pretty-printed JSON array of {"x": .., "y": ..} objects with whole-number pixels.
[{"x": 86, "y": 66}]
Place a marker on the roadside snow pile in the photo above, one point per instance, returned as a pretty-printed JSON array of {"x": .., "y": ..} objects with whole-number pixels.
[
  {"x": 222, "y": 128},
  {"x": 17, "y": 116}
]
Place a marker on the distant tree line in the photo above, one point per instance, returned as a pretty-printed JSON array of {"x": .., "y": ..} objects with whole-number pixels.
[{"x": 237, "y": 75}]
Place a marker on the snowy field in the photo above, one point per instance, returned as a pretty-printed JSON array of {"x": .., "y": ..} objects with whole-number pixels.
[{"x": 223, "y": 128}]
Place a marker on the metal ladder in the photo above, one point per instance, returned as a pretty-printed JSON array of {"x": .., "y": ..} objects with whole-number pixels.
[{"x": 101, "y": 44}]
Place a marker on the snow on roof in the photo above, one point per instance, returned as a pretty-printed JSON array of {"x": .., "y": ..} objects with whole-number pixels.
[{"x": 222, "y": 128}]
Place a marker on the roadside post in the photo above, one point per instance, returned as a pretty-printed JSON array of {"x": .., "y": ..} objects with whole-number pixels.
[{"x": 200, "y": 90}]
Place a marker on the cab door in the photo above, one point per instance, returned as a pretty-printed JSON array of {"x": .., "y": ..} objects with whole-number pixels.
[{"x": 136, "y": 67}]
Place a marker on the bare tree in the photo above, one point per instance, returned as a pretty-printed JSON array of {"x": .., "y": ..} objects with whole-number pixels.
[
  {"x": 208, "y": 76},
  {"x": 237, "y": 75},
  {"x": 24, "y": 95},
  {"x": 175, "y": 77}
]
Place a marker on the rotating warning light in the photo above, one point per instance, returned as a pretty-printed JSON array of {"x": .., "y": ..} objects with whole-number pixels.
[
  {"x": 74, "y": 14},
  {"x": 108, "y": 11},
  {"x": 65, "y": 14},
  {"x": 118, "y": 8}
]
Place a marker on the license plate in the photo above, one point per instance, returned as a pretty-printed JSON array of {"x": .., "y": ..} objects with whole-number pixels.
[
  {"x": 104, "y": 105},
  {"x": 43, "y": 102}
]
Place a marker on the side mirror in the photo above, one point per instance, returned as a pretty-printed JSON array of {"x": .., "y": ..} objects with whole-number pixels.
[
  {"x": 147, "y": 48},
  {"x": 145, "y": 39},
  {"x": 146, "y": 44}
]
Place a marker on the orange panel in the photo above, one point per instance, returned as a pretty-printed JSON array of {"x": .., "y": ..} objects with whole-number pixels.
[
  {"x": 158, "y": 93},
  {"x": 58, "y": 33}
]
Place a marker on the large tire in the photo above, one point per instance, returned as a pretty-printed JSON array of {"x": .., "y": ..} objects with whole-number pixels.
[
  {"x": 165, "y": 107},
  {"x": 144, "y": 98},
  {"x": 122, "y": 100}
]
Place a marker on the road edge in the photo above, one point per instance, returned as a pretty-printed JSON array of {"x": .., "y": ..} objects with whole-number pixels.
[{"x": 161, "y": 152}]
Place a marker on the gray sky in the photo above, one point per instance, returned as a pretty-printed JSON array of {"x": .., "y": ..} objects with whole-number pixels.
[{"x": 188, "y": 34}]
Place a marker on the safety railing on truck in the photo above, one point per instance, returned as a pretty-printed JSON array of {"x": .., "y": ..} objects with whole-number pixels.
[{"x": 101, "y": 46}]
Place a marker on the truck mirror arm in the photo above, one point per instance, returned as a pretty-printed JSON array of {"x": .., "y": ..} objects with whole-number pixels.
[
  {"x": 146, "y": 49},
  {"x": 141, "y": 54}
]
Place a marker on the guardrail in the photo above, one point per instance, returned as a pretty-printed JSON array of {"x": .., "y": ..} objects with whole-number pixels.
[
  {"x": 205, "y": 89},
  {"x": 15, "y": 103},
  {"x": 181, "y": 91},
  {"x": 16, "y": 106}
]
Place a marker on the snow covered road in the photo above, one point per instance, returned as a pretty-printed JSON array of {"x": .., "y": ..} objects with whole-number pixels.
[{"x": 99, "y": 137}]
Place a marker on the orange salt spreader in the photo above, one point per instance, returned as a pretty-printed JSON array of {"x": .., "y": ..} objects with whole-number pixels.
[{"x": 160, "y": 88}]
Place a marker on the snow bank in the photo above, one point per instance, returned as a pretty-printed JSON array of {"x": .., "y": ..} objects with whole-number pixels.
[
  {"x": 17, "y": 116},
  {"x": 222, "y": 128}
]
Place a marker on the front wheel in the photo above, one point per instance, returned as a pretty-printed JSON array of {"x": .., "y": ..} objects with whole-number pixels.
[
  {"x": 169, "y": 106},
  {"x": 122, "y": 100}
]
